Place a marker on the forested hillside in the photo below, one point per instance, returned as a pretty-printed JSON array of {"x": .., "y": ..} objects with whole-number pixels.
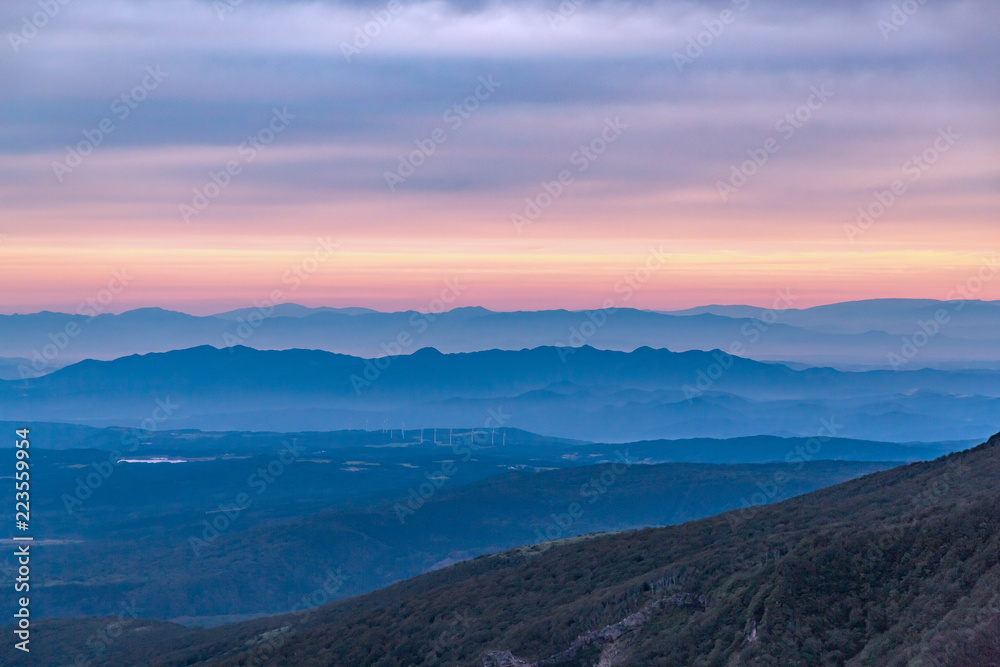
[{"x": 896, "y": 568}]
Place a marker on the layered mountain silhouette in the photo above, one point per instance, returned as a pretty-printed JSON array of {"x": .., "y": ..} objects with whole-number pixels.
[
  {"x": 885, "y": 333},
  {"x": 581, "y": 393}
]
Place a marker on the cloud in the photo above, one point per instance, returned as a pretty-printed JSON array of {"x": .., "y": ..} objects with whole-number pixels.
[{"x": 690, "y": 120}]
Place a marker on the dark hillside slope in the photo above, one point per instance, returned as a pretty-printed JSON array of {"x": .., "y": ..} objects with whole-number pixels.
[{"x": 895, "y": 568}]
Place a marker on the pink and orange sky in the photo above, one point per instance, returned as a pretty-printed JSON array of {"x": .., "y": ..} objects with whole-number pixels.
[{"x": 869, "y": 99}]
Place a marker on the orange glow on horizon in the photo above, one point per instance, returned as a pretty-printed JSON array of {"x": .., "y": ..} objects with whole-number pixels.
[{"x": 584, "y": 274}]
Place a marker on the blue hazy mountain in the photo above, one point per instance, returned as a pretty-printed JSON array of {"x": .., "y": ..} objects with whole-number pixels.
[
  {"x": 528, "y": 448},
  {"x": 18, "y": 368},
  {"x": 581, "y": 393},
  {"x": 920, "y": 333},
  {"x": 289, "y": 310},
  {"x": 973, "y": 320}
]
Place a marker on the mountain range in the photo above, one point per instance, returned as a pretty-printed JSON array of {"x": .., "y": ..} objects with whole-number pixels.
[
  {"x": 578, "y": 393},
  {"x": 884, "y": 333}
]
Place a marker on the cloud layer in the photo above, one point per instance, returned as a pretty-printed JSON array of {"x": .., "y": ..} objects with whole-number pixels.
[{"x": 751, "y": 129}]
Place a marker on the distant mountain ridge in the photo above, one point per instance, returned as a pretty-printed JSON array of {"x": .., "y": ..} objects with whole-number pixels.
[
  {"x": 850, "y": 335},
  {"x": 581, "y": 393},
  {"x": 290, "y": 310},
  {"x": 895, "y": 316},
  {"x": 495, "y": 441}
]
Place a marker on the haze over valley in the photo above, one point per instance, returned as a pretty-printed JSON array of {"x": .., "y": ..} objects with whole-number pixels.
[{"x": 505, "y": 333}]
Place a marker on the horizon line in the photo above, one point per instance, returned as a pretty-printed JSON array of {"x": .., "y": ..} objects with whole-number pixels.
[{"x": 341, "y": 309}]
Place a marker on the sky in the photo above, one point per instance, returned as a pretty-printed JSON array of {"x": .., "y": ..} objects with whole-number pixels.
[{"x": 209, "y": 155}]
